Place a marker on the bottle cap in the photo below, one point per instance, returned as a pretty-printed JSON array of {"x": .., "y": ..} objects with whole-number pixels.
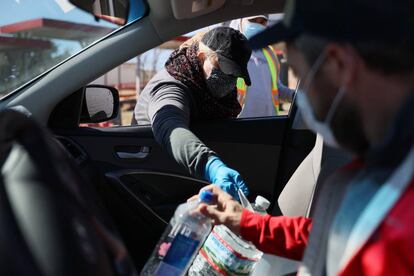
[
  {"x": 262, "y": 202},
  {"x": 206, "y": 196}
]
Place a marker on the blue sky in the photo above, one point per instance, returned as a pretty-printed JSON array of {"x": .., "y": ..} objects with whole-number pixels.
[{"x": 12, "y": 11}]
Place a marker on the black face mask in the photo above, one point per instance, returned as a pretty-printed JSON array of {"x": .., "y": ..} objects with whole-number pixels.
[{"x": 220, "y": 84}]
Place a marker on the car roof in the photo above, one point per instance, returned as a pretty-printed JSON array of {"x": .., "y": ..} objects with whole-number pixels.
[{"x": 167, "y": 26}]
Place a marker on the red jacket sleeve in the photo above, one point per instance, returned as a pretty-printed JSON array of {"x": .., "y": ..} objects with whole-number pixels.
[
  {"x": 389, "y": 251},
  {"x": 282, "y": 236}
]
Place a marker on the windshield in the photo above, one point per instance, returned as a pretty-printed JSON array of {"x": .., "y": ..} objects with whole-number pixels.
[{"x": 36, "y": 35}]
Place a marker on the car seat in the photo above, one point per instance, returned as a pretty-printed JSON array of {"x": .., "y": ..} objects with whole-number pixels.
[
  {"x": 302, "y": 188},
  {"x": 49, "y": 224}
]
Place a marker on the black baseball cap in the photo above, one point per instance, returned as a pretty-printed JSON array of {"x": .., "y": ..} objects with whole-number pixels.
[
  {"x": 232, "y": 50},
  {"x": 343, "y": 20}
]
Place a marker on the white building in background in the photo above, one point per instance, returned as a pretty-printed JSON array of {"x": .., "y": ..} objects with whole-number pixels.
[{"x": 121, "y": 77}]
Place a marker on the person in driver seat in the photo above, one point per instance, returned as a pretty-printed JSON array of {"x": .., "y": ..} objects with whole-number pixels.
[{"x": 198, "y": 83}]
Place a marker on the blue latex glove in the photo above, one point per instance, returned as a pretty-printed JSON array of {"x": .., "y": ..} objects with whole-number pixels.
[{"x": 227, "y": 179}]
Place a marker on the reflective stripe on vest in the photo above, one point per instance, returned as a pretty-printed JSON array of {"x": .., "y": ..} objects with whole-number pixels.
[
  {"x": 272, "y": 62},
  {"x": 241, "y": 91}
]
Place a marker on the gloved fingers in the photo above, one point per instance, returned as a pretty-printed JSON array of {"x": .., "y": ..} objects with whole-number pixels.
[
  {"x": 236, "y": 196},
  {"x": 241, "y": 184},
  {"x": 230, "y": 188}
]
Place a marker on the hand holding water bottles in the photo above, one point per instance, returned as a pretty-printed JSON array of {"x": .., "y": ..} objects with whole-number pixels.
[{"x": 223, "y": 209}]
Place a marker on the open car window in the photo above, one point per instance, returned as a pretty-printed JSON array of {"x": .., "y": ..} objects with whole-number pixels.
[{"x": 131, "y": 77}]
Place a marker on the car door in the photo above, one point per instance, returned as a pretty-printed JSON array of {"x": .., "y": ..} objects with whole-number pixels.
[{"x": 141, "y": 185}]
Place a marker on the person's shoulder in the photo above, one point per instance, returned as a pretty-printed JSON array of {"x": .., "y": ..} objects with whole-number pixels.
[
  {"x": 163, "y": 87},
  {"x": 258, "y": 57},
  {"x": 164, "y": 81},
  {"x": 164, "y": 78}
]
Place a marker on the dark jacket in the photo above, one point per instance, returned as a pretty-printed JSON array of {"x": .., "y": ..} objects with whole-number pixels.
[{"x": 167, "y": 105}]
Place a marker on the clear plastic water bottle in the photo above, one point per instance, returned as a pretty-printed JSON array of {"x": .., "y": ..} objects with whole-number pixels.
[
  {"x": 264, "y": 266},
  {"x": 260, "y": 205},
  {"x": 225, "y": 253},
  {"x": 181, "y": 240}
]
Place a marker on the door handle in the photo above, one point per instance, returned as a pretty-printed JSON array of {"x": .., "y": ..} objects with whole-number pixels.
[{"x": 142, "y": 153}]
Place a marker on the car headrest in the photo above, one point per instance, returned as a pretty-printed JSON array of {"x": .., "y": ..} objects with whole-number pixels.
[{"x": 46, "y": 226}]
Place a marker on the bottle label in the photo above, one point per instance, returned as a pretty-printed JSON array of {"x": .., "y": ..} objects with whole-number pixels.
[
  {"x": 178, "y": 255},
  {"x": 224, "y": 259}
]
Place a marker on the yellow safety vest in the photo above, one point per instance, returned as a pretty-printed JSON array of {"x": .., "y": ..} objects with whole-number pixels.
[{"x": 273, "y": 63}]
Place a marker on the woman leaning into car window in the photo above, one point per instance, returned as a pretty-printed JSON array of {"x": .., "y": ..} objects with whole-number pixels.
[{"x": 197, "y": 83}]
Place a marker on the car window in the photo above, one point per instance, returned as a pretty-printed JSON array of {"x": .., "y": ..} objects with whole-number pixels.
[
  {"x": 131, "y": 78},
  {"x": 37, "y": 35}
]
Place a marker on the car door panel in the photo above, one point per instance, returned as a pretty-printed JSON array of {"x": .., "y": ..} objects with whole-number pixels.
[
  {"x": 142, "y": 193},
  {"x": 250, "y": 146},
  {"x": 161, "y": 198}
]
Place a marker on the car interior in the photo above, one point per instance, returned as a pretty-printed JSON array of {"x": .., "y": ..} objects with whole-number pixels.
[{"x": 57, "y": 183}]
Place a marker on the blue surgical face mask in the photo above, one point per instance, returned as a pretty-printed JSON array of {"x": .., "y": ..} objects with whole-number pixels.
[
  {"x": 308, "y": 114},
  {"x": 252, "y": 28}
]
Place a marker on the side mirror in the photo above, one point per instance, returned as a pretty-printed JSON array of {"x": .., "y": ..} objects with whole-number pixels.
[
  {"x": 114, "y": 11},
  {"x": 100, "y": 104}
]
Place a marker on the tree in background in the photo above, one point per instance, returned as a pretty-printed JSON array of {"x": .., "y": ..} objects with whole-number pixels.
[{"x": 18, "y": 66}]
